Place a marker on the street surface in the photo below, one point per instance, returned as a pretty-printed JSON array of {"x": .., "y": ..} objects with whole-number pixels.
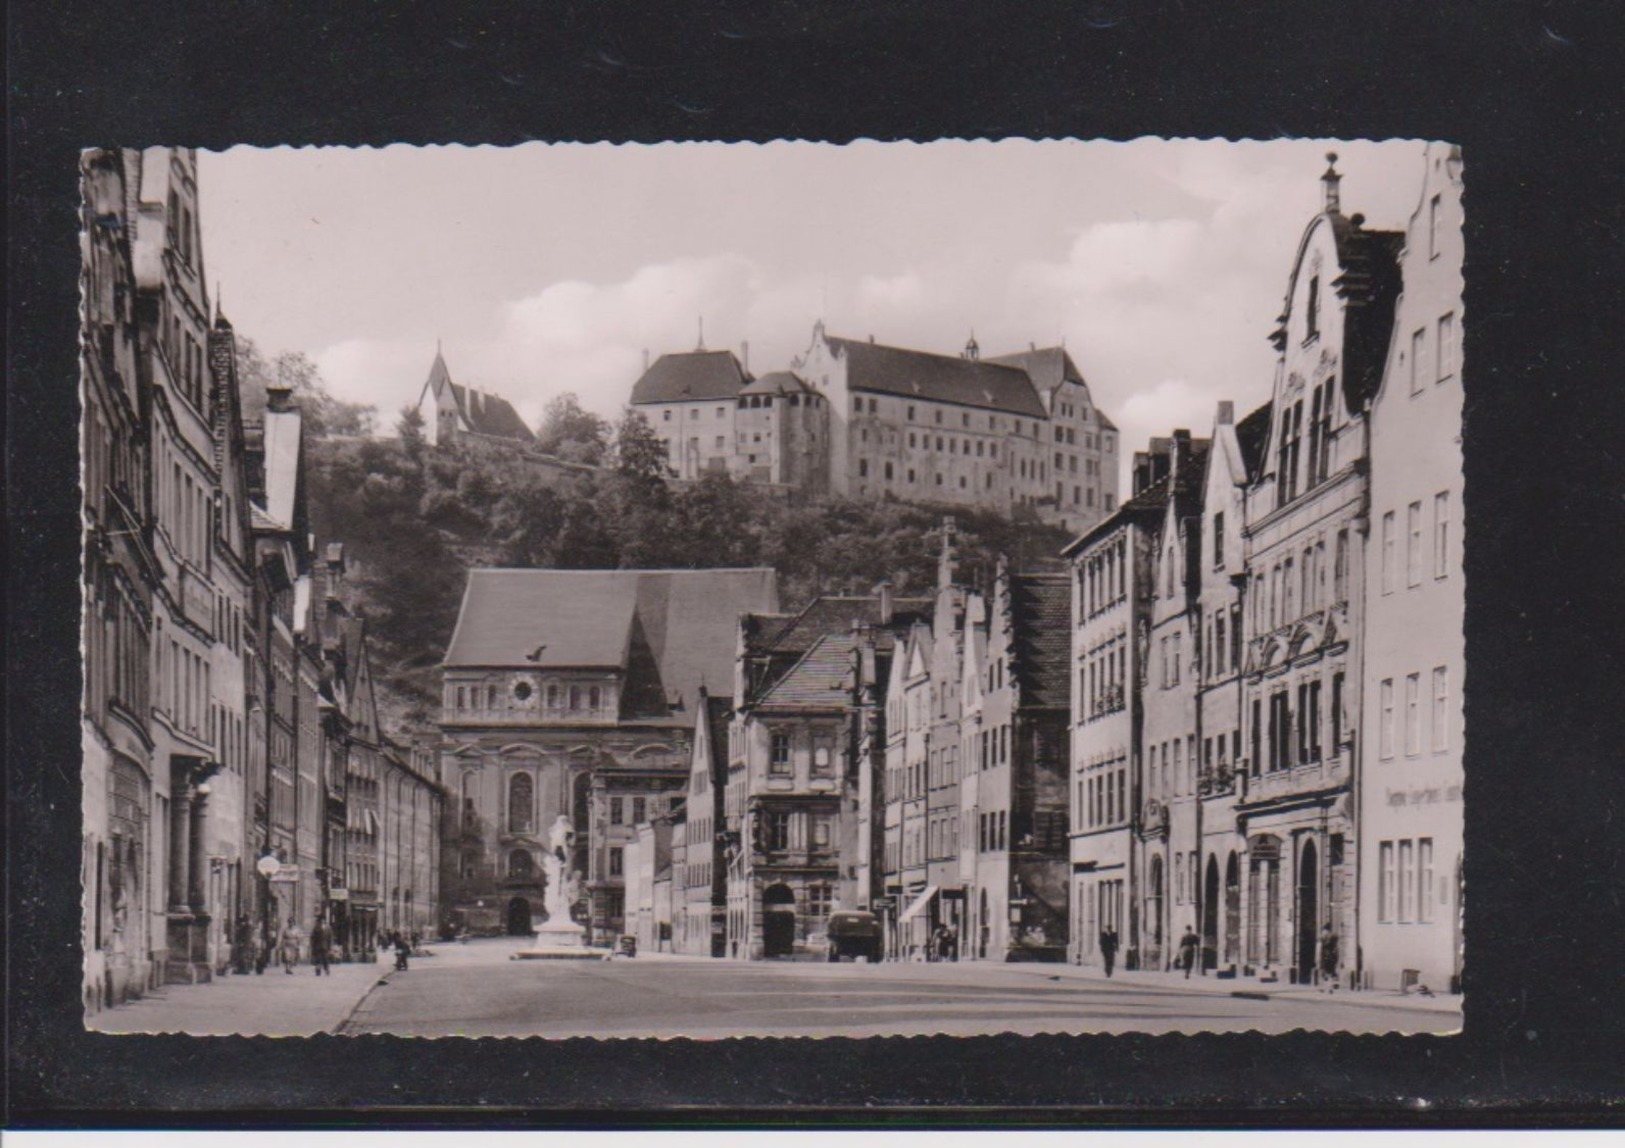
[{"x": 475, "y": 990}]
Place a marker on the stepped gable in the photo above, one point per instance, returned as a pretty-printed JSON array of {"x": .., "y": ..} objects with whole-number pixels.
[
  {"x": 691, "y": 376},
  {"x": 1041, "y": 616},
  {"x": 979, "y": 383},
  {"x": 685, "y": 620}
]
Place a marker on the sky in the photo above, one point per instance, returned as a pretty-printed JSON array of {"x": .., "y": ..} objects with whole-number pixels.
[{"x": 542, "y": 269}]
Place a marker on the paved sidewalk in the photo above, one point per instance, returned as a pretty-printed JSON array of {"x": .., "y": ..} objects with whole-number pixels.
[
  {"x": 274, "y": 1003},
  {"x": 1248, "y": 987}
]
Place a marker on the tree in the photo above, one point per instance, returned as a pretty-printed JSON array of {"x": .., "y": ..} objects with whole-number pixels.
[
  {"x": 410, "y": 427},
  {"x": 324, "y": 415},
  {"x": 572, "y": 433},
  {"x": 639, "y": 453}
]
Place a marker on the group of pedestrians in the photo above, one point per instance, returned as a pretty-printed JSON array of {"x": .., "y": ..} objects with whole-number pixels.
[{"x": 1190, "y": 953}]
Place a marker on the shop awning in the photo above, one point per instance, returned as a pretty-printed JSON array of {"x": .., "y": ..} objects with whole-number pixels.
[{"x": 918, "y": 906}]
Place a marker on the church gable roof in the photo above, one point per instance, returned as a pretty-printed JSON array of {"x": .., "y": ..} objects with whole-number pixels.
[{"x": 686, "y": 619}]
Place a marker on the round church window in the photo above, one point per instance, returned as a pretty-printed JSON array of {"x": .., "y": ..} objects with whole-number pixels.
[{"x": 521, "y": 690}]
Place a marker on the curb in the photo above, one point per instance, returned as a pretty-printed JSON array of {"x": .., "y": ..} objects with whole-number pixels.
[{"x": 344, "y": 1022}]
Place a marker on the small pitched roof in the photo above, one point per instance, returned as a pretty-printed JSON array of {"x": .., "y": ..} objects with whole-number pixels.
[
  {"x": 777, "y": 383},
  {"x": 978, "y": 383},
  {"x": 691, "y": 376},
  {"x": 1041, "y": 619},
  {"x": 1047, "y": 367},
  {"x": 818, "y": 681},
  {"x": 687, "y": 619},
  {"x": 835, "y": 615},
  {"x": 1253, "y": 436}
]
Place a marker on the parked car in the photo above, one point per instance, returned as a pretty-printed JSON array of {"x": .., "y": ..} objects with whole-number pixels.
[{"x": 853, "y": 933}]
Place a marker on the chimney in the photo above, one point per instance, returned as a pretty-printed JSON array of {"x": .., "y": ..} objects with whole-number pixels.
[
  {"x": 1227, "y": 413},
  {"x": 279, "y": 394},
  {"x": 1331, "y": 182},
  {"x": 744, "y": 355},
  {"x": 883, "y": 592}
]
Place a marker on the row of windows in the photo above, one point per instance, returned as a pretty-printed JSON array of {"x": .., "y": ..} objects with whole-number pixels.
[
  {"x": 1413, "y": 543},
  {"x": 1296, "y": 586},
  {"x": 1103, "y": 682},
  {"x": 1295, "y": 730},
  {"x": 1293, "y": 473},
  {"x": 1103, "y": 578},
  {"x": 1102, "y": 797},
  {"x": 1439, "y": 726},
  {"x": 780, "y": 830},
  {"x": 1444, "y": 353},
  {"x": 185, "y": 508},
  {"x": 1171, "y": 768},
  {"x": 1222, "y": 629},
  {"x": 1171, "y": 650},
  {"x": 634, "y": 810},
  {"x": 116, "y": 651},
  {"x": 820, "y": 751},
  {"x": 992, "y": 831},
  {"x": 184, "y": 679},
  {"x": 573, "y": 698},
  {"x": 1405, "y": 882}
]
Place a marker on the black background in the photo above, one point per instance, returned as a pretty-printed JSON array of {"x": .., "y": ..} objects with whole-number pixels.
[{"x": 1531, "y": 91}]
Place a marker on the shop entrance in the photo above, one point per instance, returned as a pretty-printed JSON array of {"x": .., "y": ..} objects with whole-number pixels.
[
  {"x": 778, "y": 921},
  {"x": 1308, "y": 914},
  {"x": 519, "y": 917}
]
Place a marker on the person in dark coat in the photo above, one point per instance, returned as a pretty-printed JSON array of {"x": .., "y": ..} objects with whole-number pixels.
[
  {"x": 1108, "y": 948},
  {"x": 320, "y": 945},
  {"x": 403, "y": 950},
  {"x": 1329, "y": 957},
  {"x": 1189, "y": 945}
]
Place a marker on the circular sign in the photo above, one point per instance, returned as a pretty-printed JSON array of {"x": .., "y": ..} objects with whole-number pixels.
[{"x": 268, "y": 866}]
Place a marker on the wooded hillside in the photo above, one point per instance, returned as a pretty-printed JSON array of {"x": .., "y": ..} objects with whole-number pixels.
[{"x": 414, "y": 520}]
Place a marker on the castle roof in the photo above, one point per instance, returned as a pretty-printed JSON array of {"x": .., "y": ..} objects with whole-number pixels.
[
  {"x": 691, "y": 376},
  {"x": 777, "y": 383},
  {"x": 979, "y": 383}
]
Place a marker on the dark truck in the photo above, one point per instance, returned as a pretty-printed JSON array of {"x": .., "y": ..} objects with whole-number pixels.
[{"x": 853, "y": 933}]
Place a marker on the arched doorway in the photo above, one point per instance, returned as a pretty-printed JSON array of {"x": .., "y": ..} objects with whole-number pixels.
[
  {"x": 1210, "y": 914},
  {"x": 1153, "y": 916},
  {"x": 1308, "y": 912},
  {"x": 1232, "y": 909},
  {"x": 778, "y": 921},
  {"x": 519, "y": 918}
]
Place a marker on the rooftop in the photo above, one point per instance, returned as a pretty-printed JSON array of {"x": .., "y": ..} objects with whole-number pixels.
[
  {"x": 979, "y": 383},
  {"x": 691, "y": 376}
]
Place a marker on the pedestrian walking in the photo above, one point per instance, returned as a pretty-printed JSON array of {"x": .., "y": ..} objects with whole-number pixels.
[
  {"x": 403, "y": 950},
  {"x": 292, "y": 936},
  {"x": 1328, "y": 958},
  {"x": 242, "y": 946},
  {"x": 1108, "y": 948},
  {"x": 320, "y": 944},
  {"x": 1189, "y": 945}
]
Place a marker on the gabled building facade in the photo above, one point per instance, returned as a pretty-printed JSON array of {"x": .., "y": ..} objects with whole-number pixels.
[
  {"x": 1114, "y": 566},
  {"x": 1411, "y": 793},
  {"x": 1305, "y": 523},
  {"x": 570, "y": 697}
]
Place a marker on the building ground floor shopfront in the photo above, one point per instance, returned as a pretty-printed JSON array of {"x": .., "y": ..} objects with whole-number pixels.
[
  {"x": 776, "y": 913},
  {"x": 1297, "y": 891}
]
